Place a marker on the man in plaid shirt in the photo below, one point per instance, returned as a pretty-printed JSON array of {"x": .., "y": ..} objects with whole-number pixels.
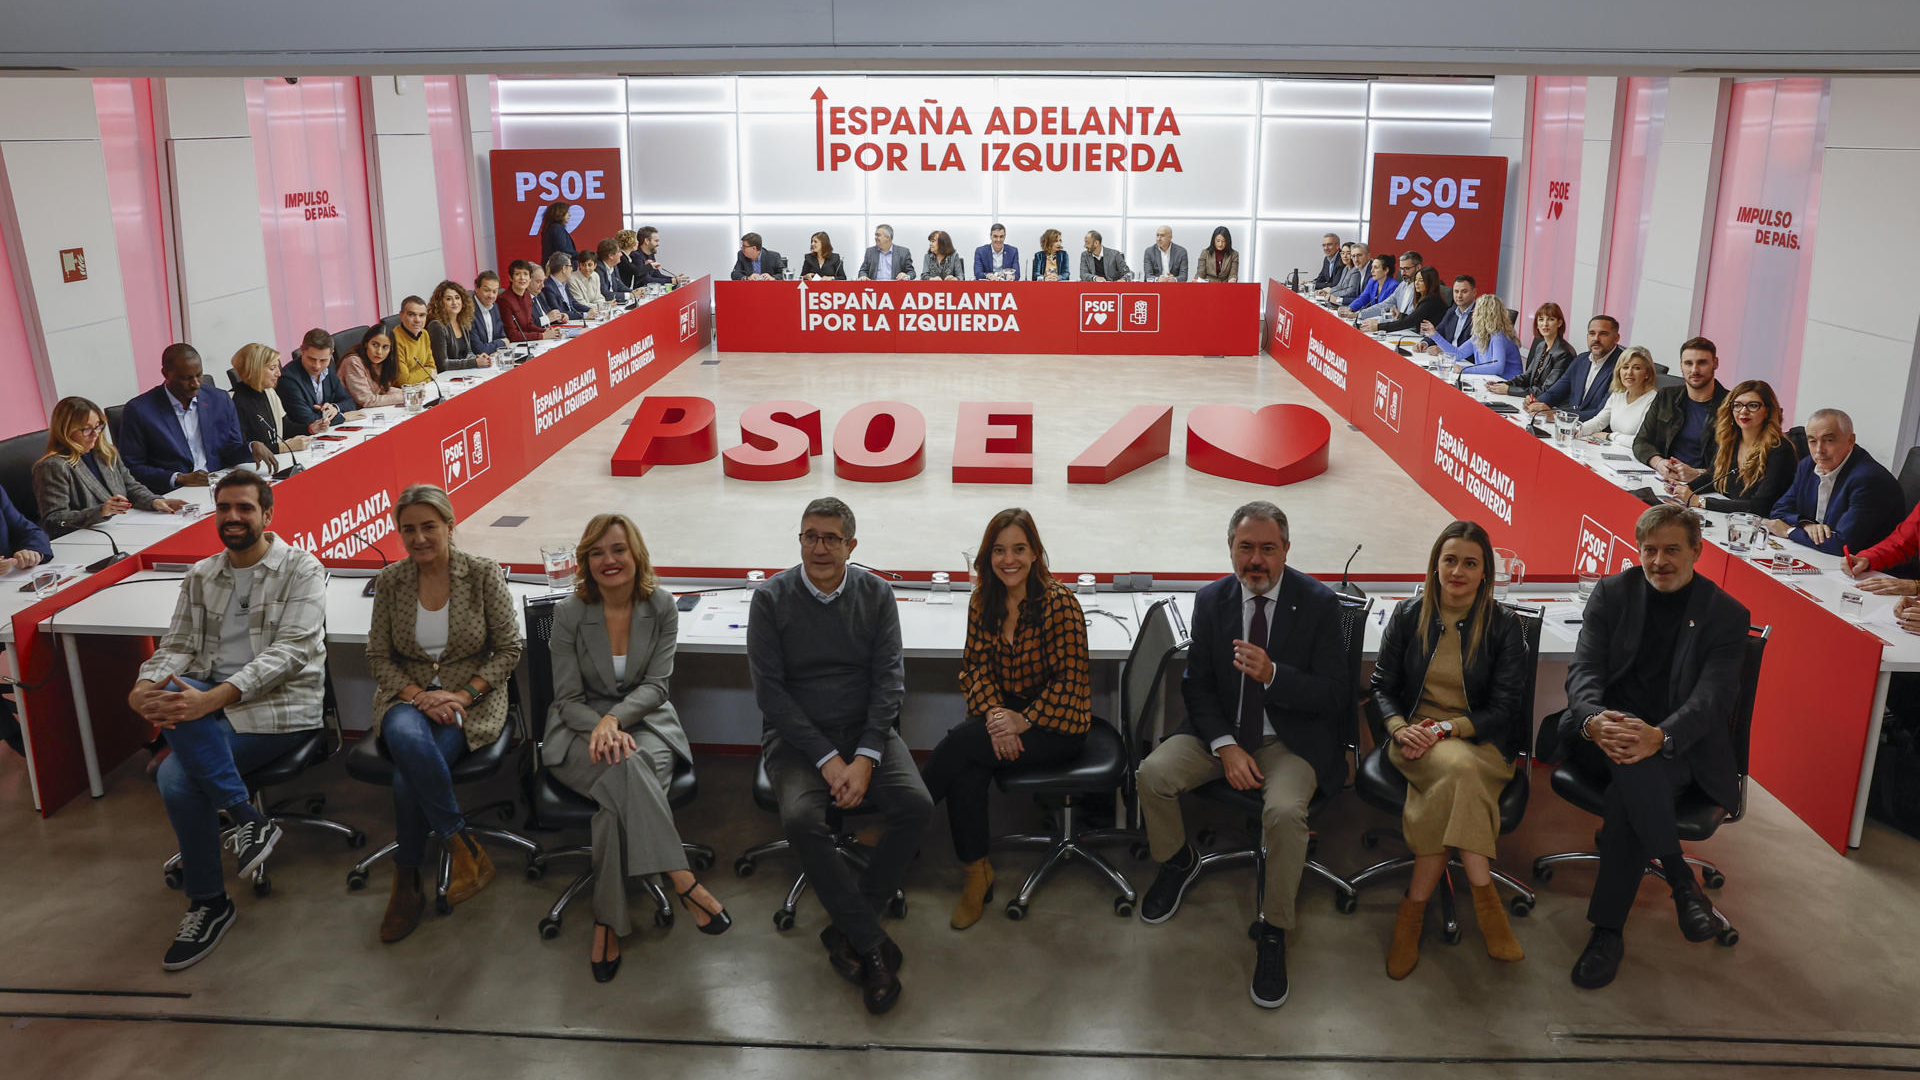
[{"x": 235, "y": 683}]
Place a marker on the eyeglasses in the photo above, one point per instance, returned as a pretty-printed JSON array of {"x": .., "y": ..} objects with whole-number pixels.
[
  {"x": 1748, "y": 406},
  {"x": 93, "y": 429},
  {"x": 832, "y": 541}
]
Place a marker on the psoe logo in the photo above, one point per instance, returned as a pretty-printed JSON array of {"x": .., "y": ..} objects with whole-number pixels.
[
  {"x": 1559, "y": 193},
  {"x": 553, "y": 185},
  {"x": 1100, "y": 313},
  {"x": 1443, "y": 194},
  {"x": 689, "y": 320},
  {"x": 1140, "y": 313},
  {"x": 465, "y": 454},
  {"x": 1599, "y": 551},
  {"x": 1387, "y": 400},
  {"x": 1283, "y": 327}
]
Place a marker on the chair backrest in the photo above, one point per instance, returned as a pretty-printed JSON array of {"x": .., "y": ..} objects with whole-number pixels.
[
  {"x": 1162, "y": 635},
  {"x": 17, "y": 456},
  {"x": 390, "y": 321},
  {"x": 1798, "y": 437},
  {"x": 113, "y": 420},
  {"x": 1750, "y": 658},
  {"x": 1910, "y": 477},
  {"x": 344, "y": 341},
  {"x": 1531, "y": 620},
  {"x": 1353, "y": 634},
  {"x": 539, "y": 659},
  {"x": 1661, "y": 381}
]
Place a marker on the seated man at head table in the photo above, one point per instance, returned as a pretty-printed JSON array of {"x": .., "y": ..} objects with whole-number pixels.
[
  {"x": 1352, "y": 277},
  {"x": 313, "y": 396},
  {"x": 1331, "y": 265},
  {"x": 1678, "y": 438},
  {"x": 1842, "y": 501},
  {"x": 583, "y": 287},
  {"x": 757, "y": 262},
  {"x": 1586, "y": 382},
  {"x": 1400, "y": 301},
  {"x": 487, "y": 334},
  {"x": 412, "y": 346},
  {"x": 996, "y": 259},
  {"x": 176, "y": 433},
  {"x": 886, "y": 261},
  {"x": 1651, "y": 694},
  {"x": 1456, "y": 326},
  {"x": 823, "y": 647},
  {"x": 1165, "y": 260},
  {"x": 236, "y": 682},
  {"x": 1101, "y": 263},
  {"x": 1269, "y": 708},
  {"x": 650, "y": 271},
  {"x": 556, "y": 294},
  {"x": 607, "y": 259}
]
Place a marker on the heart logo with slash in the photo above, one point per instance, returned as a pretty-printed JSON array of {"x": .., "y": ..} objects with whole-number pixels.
[{"x": 1436, "y": 226}]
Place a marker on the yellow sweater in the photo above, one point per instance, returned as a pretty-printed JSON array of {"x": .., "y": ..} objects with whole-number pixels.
[{"x": 415, "y": 356}]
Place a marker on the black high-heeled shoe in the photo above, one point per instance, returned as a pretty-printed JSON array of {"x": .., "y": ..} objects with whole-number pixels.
[
  {"x": 605, "y": 970},
  {"x": 717, "y": 921}
]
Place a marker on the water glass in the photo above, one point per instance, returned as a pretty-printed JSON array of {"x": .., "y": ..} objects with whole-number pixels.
[
  {"x": 942, "y": 590},
  {"x": 1589, "y": 580},
  {"x": 378, "y": 417},
  {"x": 416, "y": 397},
  {"x": 1086, "y": 585},
  {"x": 560, "y": 565},
  {"x": 1782, "y": 561},
  {"x": 1508, "y": 571},
  {"x": 755, "y": 579},
  {"x": 1743, "y": 531},
  {"x": 44, "y": 579},
  {"x": 973, "y": 572},
  {"x": 1852, "y": 605},
  {"x": 1564, "y": 425}
]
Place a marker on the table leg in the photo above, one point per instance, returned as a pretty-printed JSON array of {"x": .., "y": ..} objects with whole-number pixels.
[
  {"x": 26, "y": 729},
  {"x": 1867, "y": 760},
  {"x": 80, "y": 715}
]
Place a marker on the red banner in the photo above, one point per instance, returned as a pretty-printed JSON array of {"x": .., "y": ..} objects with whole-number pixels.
[
  {"x": 1118, "y": 318},
  {"x": 1448, "y": 208},
  {"x": 526, "y": 182}
]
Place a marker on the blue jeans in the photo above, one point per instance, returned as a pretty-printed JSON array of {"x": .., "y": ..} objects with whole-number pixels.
[
  {"x": 423, "y": 753},
  {"x": 201, "y": 778}
]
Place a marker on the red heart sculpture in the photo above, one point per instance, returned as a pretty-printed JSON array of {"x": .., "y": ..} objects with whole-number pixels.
[{"x": 1280, "y": 444}]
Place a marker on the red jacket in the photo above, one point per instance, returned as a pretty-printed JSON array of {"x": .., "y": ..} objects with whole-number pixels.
[
  {"x": 516, "y": 316},
  {"x": 1899, "y": 546}
]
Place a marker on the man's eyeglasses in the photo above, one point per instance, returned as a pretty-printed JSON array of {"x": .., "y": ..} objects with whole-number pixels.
[{"x": 832, "y": 541}]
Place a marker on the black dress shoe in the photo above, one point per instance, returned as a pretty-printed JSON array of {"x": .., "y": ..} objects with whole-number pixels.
[
  {"x": 718, "y": 922},
  {"x": 841, "y": 954},
  {"x": 879, "y": 981},
  {"x": 1600, "y": 961},
  {"x": 1696, "y": 916},
  {"x": 605, "y": 970},
  {"x": 1164, "y": 895}
]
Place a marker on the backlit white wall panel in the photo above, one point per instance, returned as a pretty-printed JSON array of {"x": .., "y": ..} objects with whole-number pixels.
[
  {"x": 777, "y": 174},
  {"x": 1508, "y": 138},
  {"x": 1282, "y": 246},
  {"x": 683, "y": 164},
  {"x": 409, "y": 201},
  {"x": 1313, "y": 167},
  {"x": 1291, "y": 97},
  {"x": 789, "y": 235},
  {"x": 1222, "y": 186},
  {"x": 701, "y": 244},
  {"x": 597, "y": 96},
  {"x": 479, "y": 89},
  {"x": 1682, "y": 203},
  {"x": 1191, "y": 233},
  {"x": 680, "y": 95}
]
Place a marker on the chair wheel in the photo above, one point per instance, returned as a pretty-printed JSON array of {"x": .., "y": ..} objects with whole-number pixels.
[
  {"x": 262, "y": 885},
  {"x": 317, "y": 804},
  {"x": 356, "y": 880},
  {"x": 783, "y": 919},
  {"x": 536, "y": 871},
  {"x": 743, "y": 867},
  {"x": 356, "y": 840},
  {"x": 1728, "y": 937},
  {"x": 1369, "y": 841},
  {"x": 442, "y": 905},
  {"x": 1346, "y": 903},
  {"x": 1139, "y": 852},
  {"x": 1543, "y": 873},
  {"x": 1451, "y": 937},
  {"x": 1016, "y": 910},
  {"x": 700, "y": 860},
  {"x": 897, "y": 907},
  {"x": 1204, "y": 837},
  {"x": 174, "y": 878},
  {"x": 549, "y": 929},
  {"x": 1123, "y": 907},
  {"x": 1713, "y": 879},
  {"x": 1520, "y": 906},
  {"x": 663, "y": 918}
]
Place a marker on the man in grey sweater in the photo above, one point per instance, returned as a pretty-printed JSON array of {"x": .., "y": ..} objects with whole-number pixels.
[{"x": 823, "y": 645}]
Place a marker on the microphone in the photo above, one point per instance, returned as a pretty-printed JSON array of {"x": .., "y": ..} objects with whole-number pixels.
[
  {"x": 291, "y": 469},
  {"x": 1346, "y": 585},
  {"x": 882, "y": 573},
  {"x": 105, "y": 561},
  {"x": 374, "y": 581},
  {"x": 439, "y": 394}
]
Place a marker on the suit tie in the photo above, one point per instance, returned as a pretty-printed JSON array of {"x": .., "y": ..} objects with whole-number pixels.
[{"x": 1252, "y": 707}]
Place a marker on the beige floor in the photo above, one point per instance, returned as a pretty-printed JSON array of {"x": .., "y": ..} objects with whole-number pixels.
[{"x": 1163, "y": 518}]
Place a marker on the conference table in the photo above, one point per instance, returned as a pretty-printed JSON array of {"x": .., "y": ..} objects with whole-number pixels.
[{"x": 1568, "y": 508}]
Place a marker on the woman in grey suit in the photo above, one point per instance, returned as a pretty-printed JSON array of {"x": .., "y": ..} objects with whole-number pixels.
[
  {"x": 613, "y": 736},
  {"x": 81, "y": 480},
  {"x": 943, "y": 263}
]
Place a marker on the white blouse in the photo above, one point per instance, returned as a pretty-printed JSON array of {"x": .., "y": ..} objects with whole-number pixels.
[
  {"x": 430, "y": 630},
  {"x": 1620, "y": 417},
  {"x": 620, "y": 669}
]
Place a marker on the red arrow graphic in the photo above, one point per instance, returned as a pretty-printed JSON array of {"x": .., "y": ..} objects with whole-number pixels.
[{"x": 819, "y": 130}]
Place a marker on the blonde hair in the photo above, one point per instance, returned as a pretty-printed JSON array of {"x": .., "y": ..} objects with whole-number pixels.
[
  {"x": 1490, "y": 318},
  {"x": 70, "y": 414},
  {"x": 429, "y": 495},
  {"x": 1640, "y": 353},
  {"x": 644, "y": 579},
  {"x": 250, "y": 362}
]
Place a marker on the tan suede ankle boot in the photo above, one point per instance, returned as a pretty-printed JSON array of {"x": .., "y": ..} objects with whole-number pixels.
[
  {"x": 1404, "y": 953},
  {"x": 471, "y": 868},
  {"x": 974, "y": 895},
  {"x": 1492, "y": 916}
]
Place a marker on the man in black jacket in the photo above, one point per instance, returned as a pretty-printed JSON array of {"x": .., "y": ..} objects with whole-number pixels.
[
  {"x": 1677, "y": 439},
  {"x": 1662, "y": 643},
  {"x": 1268, "y": 707}
]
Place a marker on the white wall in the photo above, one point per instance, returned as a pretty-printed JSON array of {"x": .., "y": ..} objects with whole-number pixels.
[
  {"x": 1512, "y": 121},
  {"x": 1673, "y": 274},
  {"x": 479, "y": 91},
  {"x": 400, "y": 169},
  {"x": 57, "y": 173},
  {"x": 216, "y": 215},
  {"x": 1595, "y": 198}
]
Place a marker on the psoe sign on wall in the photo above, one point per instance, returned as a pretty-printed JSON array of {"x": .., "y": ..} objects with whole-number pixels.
[
  {"x": 526, "y": 182},
  {"x": 1449, "y": 208}
]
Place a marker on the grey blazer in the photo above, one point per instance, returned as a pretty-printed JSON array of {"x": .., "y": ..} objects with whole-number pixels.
[
  {"x": 1176, "y": 263},
  {"x": 939, "y": 268},
  {"x": 1110, "y": 266},
  {"x": 70, "y": 496},
  {"x": 584, "y": 689},
  {"x": 870, "y": 266}
]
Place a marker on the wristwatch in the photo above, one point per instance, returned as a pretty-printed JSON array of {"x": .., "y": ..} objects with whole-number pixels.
[{"x": 1445, "y": 728}]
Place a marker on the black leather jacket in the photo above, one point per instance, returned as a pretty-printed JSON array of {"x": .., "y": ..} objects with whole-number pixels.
[{"x": 1494, "y": 677}]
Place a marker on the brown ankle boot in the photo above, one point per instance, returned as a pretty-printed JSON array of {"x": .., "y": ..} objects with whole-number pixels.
[
  {"x": 471, "y": 868},
  {"x": 1404, "y": 953},
  {"x": 1492, "y": 916},
  {"x": 404, "y": 906},
  {"x": 974, "y": 895}
]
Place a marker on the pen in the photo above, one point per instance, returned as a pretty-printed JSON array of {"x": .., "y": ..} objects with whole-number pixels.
[{"x": 736, "y": 626}]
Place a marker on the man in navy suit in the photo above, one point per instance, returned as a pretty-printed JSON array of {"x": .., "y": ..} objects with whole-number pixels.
[
  {"x": 487, "y": 335},
  {"x": 555, "y": 293},
  {"x": 997, "y": 257},
  {"x": 313, "y": 396},
  {"x": 1584, "y": 386},
  {"x": 1841, "y": 499},
  {"x": 613, "y": 286},
  {"x": 757, "y": 262},
  {"x": 177, "y": 432},
  {"x": 1330, "y": 266},
  {"x": 1269, "y": 707}
]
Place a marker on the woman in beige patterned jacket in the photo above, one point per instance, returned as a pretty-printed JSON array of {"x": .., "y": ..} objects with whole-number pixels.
[{"x": 443, "y": 642}]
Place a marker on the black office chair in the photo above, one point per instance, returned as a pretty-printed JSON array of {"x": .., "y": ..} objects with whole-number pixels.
[
  {"x": 344, "y": 341},
  {"x": 553, "y": 805},
  {"x": 1353, "y": 623},
  {"x": 1105, "y": 767},
  {"x": 1662, "y": 380},
  {"x": 1910, "y": 477},
  {"x": 1798, "y": 437},
  {"x": 850, "y": 848},
  {"x": 368, "y": 762},
  {"x": 113, "y": 420},
  {"x": 17, "y": 455},
  {"x": 1698, "y": 818},
  {"x": 1384, "y": 788},
  {"x": 390, "y": 321},
  {"x": 317, "y": 746}
]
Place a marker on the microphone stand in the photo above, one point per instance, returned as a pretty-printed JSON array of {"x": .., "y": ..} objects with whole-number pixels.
[
  {"x": 295, "y": 457},
  {"x": 373, "y": 583},
  {"x": 1346, "y": 586},
  {"x": 103, "y": 562},
  {"x": 882, "y": 573}
]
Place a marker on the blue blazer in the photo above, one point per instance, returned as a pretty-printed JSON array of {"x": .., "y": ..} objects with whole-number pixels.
[
  {"x": 557, "y": 298},
  {"x": 1447, "y": 326},
  {"x": 1560, "y": 394},
  {"x": 1501, "y": 357},
  {"x": 1059, "y": 265},
  {"x": 555, "y": 237},
  {"x": 296, "y": 397},
  {"x": 1374, "y": 291},
  {"x": 18, "y": 533},
  {"x": 1864, "y": 509},
  {"x": 612, "y": 285},
  {"x": 983, "y": 261},
  {"x": 477, "y": 337},
  {"x": 155, "y": 445}
]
